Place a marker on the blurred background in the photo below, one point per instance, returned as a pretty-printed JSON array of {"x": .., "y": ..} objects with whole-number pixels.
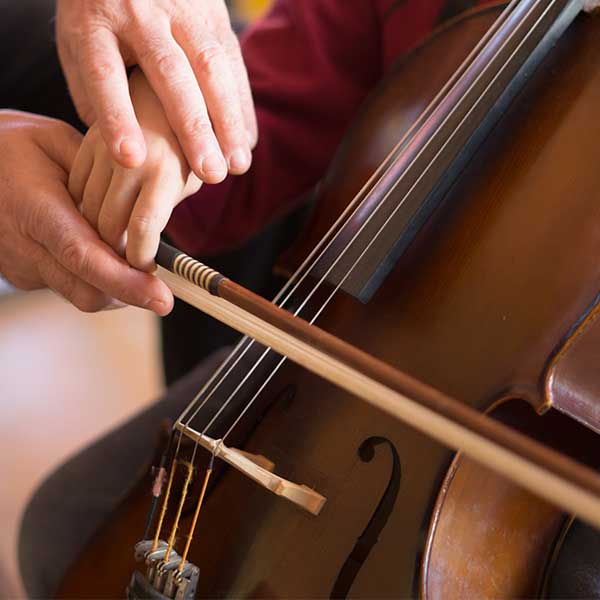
[
  {"x": 65, "y": 379},
  {"x": 246, "y": 11}
]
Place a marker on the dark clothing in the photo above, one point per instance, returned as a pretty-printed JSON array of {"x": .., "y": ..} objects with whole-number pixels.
[{"x": 31, "y": 79}]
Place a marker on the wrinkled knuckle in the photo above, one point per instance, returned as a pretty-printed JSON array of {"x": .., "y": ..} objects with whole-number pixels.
[
  {"x": 165, "y": 61},
  {"x": 230, "y": 123},
  {"x": 143, "y": 18},
  {"x": 101, "y": 70},
  {"x": 35, "y": 220},
  {"x": 198, "y": 126},
  {"x": 75, "y": 257},
  {"x": 208, "y": 58}
]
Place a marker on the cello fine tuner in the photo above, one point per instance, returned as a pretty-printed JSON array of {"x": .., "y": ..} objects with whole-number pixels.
[
  {"x": 301, "y": 495},
  {"x": 162, "y": 580}
]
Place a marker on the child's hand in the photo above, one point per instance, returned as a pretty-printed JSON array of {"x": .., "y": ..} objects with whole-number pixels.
[{"x": 130, "y": 207}]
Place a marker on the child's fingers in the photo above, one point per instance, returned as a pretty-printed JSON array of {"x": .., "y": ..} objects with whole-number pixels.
[
  {"x": 149, "y": 217},
  {"x": 116, "y": 209},
  {"x": 80, "y": 172},
  {"x": 95, "y": 190},
  {"x": 193, "y": 185}
]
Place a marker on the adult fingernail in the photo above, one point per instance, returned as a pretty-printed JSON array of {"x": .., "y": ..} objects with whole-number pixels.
[
  {"x": 239, "y": 160},
  {"x": 214, "y": 165},
  {"x": 130, "y": 148},
  {"x": 157, "y": 306}
]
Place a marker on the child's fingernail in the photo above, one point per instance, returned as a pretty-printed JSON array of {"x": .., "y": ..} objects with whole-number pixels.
[
  {"x": 130, "y": 148},
  {"x": 239, "y": 160},
  {"x": 214, "y": 164}
]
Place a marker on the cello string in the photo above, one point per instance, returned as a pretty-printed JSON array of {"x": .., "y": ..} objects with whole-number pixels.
[
  {"x": 513, "y": 33},
  {"x": 186, "y": 484},
  {"x": 333, "y": 233},
  {"x": 163, "y": 510},
  {"x": 383, "y": 226},
  {"x": 373, "y": 214},
  {"x": 297, "y": 278},
  {"x": 200, "y": 502},
  {"x": 340, "y": 257},
  {"x": 352, "y": 206}
]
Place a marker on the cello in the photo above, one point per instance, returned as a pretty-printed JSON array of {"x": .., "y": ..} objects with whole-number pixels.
[{"x": 456, "y": 239}]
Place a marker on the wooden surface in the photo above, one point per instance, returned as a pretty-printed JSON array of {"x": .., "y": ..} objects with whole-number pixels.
[
  {"x": 572, "y": 382},
  {"x": 505, "y": 549}
]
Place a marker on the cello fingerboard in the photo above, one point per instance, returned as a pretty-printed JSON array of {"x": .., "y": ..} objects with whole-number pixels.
[{"x": 434, "y": 153}]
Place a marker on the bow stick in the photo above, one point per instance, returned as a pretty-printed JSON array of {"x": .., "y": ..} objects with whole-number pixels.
[{"x": 532, "y": 465}]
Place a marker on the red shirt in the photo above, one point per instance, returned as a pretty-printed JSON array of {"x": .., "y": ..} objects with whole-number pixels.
[{"x": 311, "y": 63}]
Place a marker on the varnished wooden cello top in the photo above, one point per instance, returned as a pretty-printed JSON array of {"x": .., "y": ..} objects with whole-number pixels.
[{"x": 477, "y": 307}]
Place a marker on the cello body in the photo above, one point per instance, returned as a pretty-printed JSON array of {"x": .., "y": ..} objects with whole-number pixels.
[{"x": 491, "y": 298}]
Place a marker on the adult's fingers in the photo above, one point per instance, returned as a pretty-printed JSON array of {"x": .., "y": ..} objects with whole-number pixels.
[
  {"x": 68, "y": 57},
  {"x": 61, "y": 143},
  {"x": 169, "y": 72},
  {"x": 244, "y": 91},
  {"x": 76, "y": 246},
  {"x": 214, "y": 74},
  {"x": 12, "y": 271},
  {"x": 107, "y": 88},
  {"x": 79, "y": 293},
  {"x": 148, "y": 219},
  {"x": 77, "y": 91},
  {"x": 232, "y": 46}
]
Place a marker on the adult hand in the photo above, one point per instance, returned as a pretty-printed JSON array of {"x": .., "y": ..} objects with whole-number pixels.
[
  {"x": 44, "y": 240},
  {"x": 190, "y": 56}
]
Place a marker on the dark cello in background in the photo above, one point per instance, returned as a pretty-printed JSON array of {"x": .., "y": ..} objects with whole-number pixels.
[{"x": 489, "y": 294}]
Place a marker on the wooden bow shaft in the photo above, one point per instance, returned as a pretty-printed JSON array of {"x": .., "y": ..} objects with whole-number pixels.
[{"x": 537, "y": 468}]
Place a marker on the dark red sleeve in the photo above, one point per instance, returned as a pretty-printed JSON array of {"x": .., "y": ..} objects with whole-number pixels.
[{"x": 311, "y": 63}]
